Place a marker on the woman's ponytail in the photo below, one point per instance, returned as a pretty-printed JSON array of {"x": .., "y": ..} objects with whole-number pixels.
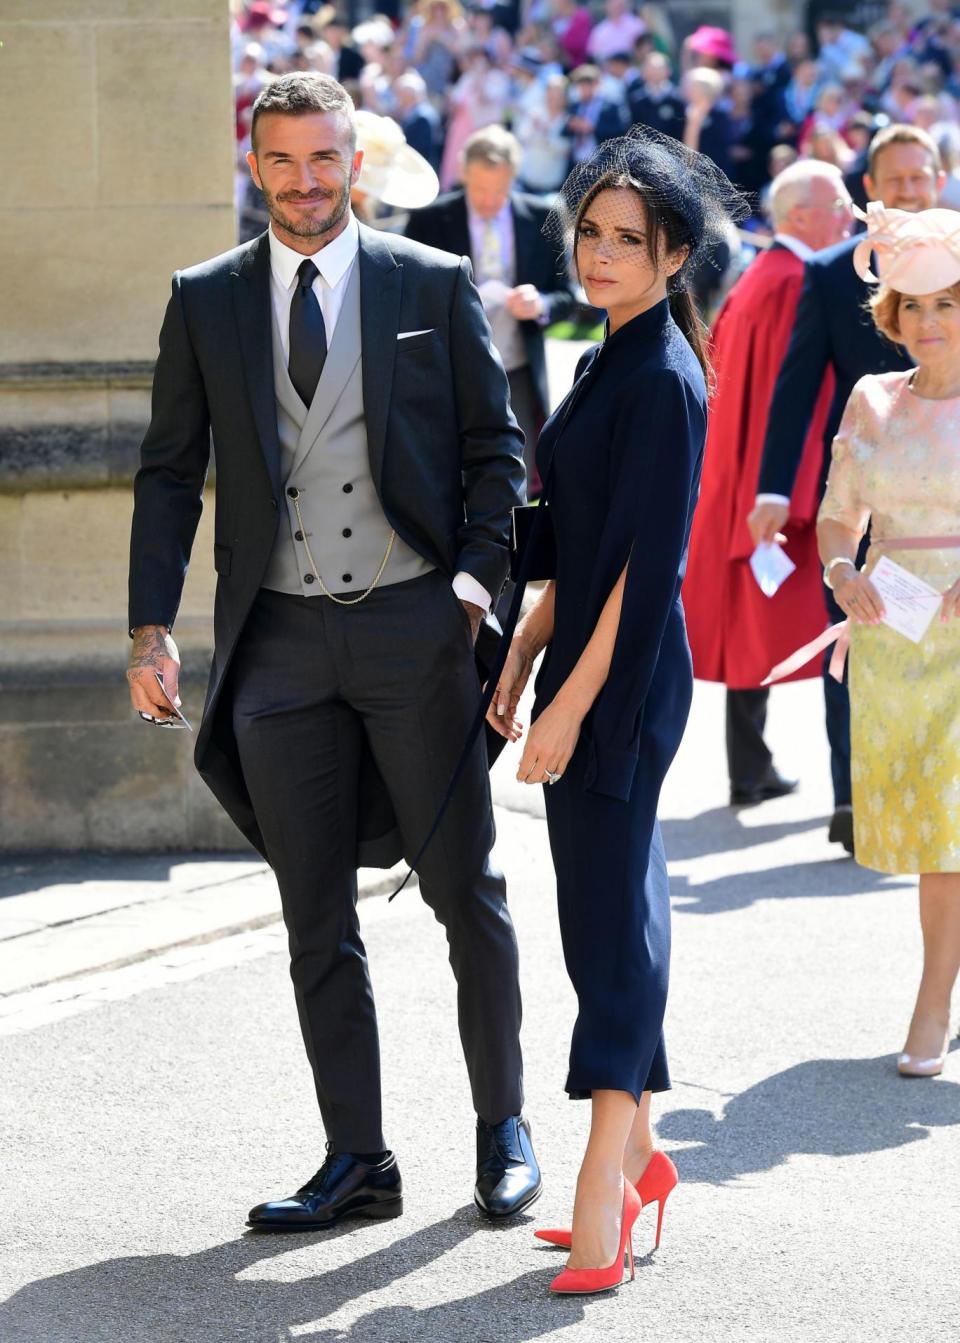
[{"x": 685, "y": 314}]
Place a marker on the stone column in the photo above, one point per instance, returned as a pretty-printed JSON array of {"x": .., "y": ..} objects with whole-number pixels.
[{"x": 116, "y": 137}]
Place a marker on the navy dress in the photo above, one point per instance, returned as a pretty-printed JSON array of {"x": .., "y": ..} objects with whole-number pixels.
[{"x": 624, "y": 486}]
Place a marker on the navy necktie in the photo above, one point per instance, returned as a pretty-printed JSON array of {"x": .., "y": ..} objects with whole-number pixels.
[{"x": 308, "y": 335}]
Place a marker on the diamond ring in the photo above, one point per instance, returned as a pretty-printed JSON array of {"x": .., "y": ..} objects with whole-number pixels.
[{"x": 551, "y": 777}]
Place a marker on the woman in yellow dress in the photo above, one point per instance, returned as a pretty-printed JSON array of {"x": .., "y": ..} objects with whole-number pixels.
[{"x": 896, "y": 466}]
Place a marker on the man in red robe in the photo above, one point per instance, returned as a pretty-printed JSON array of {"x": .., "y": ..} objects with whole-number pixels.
[{"x": 736, "y": 632}]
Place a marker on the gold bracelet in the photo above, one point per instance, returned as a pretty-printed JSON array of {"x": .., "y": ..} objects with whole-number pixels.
[{"x": 829, "y": 567}]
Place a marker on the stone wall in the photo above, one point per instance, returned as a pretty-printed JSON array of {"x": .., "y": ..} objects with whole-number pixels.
[{"x": 116, "y": 137}]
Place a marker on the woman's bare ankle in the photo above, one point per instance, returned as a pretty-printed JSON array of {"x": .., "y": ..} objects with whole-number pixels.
[{"x": 636, "y": 1158}]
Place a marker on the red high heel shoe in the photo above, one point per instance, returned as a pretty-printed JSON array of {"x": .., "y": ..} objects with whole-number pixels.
[
  {"x": 654, "y": 1186},
  {"x": 579, "y": 1281}
]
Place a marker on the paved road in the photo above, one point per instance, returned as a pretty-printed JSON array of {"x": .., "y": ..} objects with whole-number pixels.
[{"x": 146, "y": 1107}]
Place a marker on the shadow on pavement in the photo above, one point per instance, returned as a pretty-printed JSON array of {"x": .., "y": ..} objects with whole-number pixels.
[
  {"x": 827, "y": 1107},
  {"x": 23, "y": 874},
  {"x": 719, "y": 831},
  {"x": 796, "y": 881},
  {"x": 200, "y": 1298}
]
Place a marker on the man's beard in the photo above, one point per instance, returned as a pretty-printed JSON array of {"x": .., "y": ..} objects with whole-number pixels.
[{"x": 306, "y": 227}]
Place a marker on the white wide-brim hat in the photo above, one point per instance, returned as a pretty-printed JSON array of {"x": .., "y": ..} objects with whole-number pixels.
[
  {"x": 916, "y": 253},
  {"x": 392, "y": 172}
]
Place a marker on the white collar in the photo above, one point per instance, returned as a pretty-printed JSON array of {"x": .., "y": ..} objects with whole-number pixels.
[
  {"x": 332, "y": 261},
  {"x": 794, "y": 245}
]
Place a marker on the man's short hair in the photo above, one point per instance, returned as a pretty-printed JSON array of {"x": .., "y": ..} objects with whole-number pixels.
[
  {"x": 792, "y": 186},
  {"x": 300, "y": 94},
  {"x": 900, "y": 134},
  {"x": 494, "y": 147}
]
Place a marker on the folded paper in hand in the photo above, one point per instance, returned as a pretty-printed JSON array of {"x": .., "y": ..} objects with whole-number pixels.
[
  {"x": 910, "y": 603},
  {"x": 493, "y": 294},
  {"x": 771, "y": 567}
]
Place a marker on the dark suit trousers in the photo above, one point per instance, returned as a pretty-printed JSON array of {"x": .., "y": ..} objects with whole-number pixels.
[
  {"x": 748, "y": 755},
  {"x": 312, "y": 679},
  {"x": 836, "y": 698}
]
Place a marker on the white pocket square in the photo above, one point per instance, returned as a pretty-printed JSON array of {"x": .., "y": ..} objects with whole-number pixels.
[{"x": 405, "y": 335}]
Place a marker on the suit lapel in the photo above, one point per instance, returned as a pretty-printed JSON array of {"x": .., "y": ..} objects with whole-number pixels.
[
  {"x": 380, "y": 289},
  {"x": 460, "y": 241},
  {"x": 253, "y": 308},
  {"x": 522, "y": 228},
  {"x": 340, "y": 362}
]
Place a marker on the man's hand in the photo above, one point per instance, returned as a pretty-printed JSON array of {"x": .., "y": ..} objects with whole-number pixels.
[
  {"x": 766, "y": 522},
  {"x": 475, "y": 615},
  {"x": 153, "y": 654},
  {"x": 525, "y": 303}
]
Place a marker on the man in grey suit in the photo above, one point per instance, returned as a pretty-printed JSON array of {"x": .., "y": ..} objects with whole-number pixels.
[{"x": 367, "y": 462}]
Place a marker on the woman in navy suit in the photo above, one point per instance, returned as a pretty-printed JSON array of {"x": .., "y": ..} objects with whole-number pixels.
[{"x": 622, "y": 457}]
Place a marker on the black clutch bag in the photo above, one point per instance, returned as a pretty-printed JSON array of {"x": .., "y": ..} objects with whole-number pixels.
[{"x": 532, "y": 531}]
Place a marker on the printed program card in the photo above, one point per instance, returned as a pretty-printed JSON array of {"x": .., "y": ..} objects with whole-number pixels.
[
  {"x": 910, "y": 603},
  {"x": 771, "y": 567}
]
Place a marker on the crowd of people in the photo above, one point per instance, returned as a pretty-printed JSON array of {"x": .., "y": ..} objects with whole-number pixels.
[{"x": 565, "y": 76}]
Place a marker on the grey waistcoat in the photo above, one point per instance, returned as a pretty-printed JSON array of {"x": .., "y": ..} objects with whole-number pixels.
[{"x": 324, "y": 455}]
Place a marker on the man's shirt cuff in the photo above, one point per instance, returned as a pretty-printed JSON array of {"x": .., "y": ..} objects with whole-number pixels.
[
  {"x": 468, "y": 589},
  {"x": 772, "y": 499}
]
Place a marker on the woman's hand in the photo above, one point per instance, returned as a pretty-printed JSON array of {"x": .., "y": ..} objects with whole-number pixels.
[
  {"x": 950, "y": 607},
  {"x": 856, "y": 596},
  {"x": 502, "y": 714},
  {"x": 551, "y": 743}
]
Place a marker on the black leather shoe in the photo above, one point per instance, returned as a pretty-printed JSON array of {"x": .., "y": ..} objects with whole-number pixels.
[
  {"x": 773, "y": 784},
  {"x": 508, "y": 1177},
  {"x": 841, "y": 828},
  {"x": 344, "y": 1186}
]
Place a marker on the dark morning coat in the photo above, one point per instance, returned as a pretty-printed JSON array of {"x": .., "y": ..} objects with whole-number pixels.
[
  {"x": 445, "y": 224},
  {"x": 445, "y": 454},
  {"x": 832, "y": 329}
]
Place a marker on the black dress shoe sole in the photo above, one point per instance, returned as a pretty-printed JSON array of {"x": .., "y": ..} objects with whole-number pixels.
[
  {"x": 378, "y": 1212},
  {"x": 512, "y": 1212}
]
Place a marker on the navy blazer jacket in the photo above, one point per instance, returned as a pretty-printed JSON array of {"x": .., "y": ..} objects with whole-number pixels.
[
  {"x": 832, "y": 329},
  {"x": 444, "y": 224}
]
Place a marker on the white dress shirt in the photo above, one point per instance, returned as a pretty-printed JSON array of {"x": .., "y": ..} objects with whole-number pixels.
[
  {"x": 503, "y": 222},
  {"x": 794, "y": 245},
  {"x": 801, "y": 250},
  {"x": 335, "y": 263}
]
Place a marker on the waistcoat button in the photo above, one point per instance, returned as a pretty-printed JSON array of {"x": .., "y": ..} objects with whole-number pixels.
[
  {"x": 348, "y": 578},
  {"x": 298, "y": 536},
  {"x": 347, "y": 531},
  {"x": 293, "y": 492},
  {"x": 348, "y": 489},
  {"x": 308, "y": 578}
]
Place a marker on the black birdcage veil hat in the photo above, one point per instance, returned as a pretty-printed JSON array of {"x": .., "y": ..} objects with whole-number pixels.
[{"x": 671, "y": 176}]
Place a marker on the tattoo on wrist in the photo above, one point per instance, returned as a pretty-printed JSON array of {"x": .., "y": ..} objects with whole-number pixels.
[{"x": 149, "y": 646}]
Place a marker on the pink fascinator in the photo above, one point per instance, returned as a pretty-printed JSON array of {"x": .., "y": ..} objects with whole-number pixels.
[{"x": 916, "y": 253}]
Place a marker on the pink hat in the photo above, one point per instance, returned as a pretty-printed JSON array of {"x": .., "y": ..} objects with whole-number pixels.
[
  {"x": 261, "y": 11},
  {"x": 916, "y": 253},
  {"x": 715, "y": 42}
]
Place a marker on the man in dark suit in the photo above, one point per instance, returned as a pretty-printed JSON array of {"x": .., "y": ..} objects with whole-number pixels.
[
  {"x": 367, "y": 463},
  {"x": 418, "y": 118},
  {"x": 593, "y": 118},
  {"x": 833, "y": 330},
  {"x": 522, "y": 277},
  {"x": 655, "y": 101}
]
